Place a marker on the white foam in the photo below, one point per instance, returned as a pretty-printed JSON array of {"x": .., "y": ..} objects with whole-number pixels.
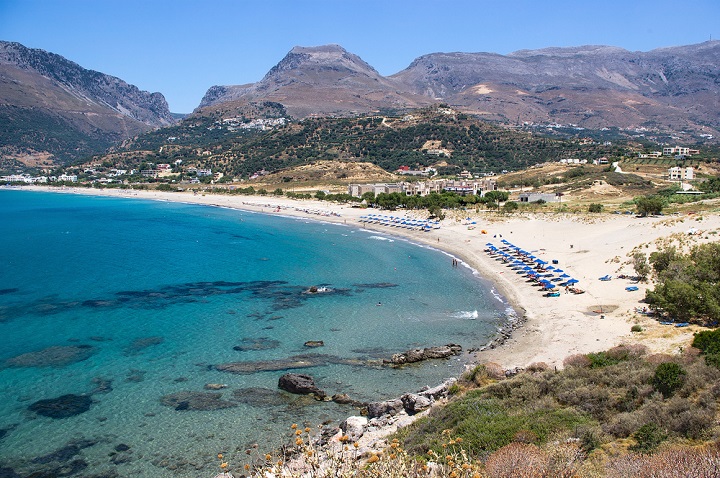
[
  {"x": 380, "y": 238},
  {"x": 466, "y": 314}
]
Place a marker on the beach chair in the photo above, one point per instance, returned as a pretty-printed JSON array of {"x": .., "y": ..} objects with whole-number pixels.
[
  {"x": 631, "y": 288},
  {"x": 606, "y": 277}
]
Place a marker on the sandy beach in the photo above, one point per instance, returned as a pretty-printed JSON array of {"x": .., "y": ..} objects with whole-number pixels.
[{"x": 586, "y": 247}]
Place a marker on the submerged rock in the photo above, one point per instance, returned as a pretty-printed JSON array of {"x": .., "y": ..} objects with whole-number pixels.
[
  {"x": 101, "y": 385},
  {"x": 190, "y": 400},
  {"x": 314, "y": 343},
  {"x": 138, "y": 345},
  {"x": 300, "y": 384},
  {"x": 55, "y": 356},
  {"x": 62, "y": 407},
  {"x": 250, "y": 344},
  {"x": 215, "y": 386}
]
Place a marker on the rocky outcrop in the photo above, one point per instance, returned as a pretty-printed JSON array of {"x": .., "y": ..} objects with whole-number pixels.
[
  {"x": 418, "y": 355},
  {"x": 386, "y": 407},
  {"x": 411, "y": 403},
  {"x": 414, "y": 403},
  {"x": 300, "y": 384}
]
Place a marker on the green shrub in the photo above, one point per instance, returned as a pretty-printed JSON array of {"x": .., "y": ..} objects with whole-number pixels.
[
  {"x": 648, "y": 437},
  {"x": 636, "y": 328},
  {"x": 595, "y": 207},
  {"x": 668, "y": 377}
]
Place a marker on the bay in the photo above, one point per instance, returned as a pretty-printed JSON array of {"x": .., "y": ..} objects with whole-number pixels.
[{"x": 134, "y": 303}]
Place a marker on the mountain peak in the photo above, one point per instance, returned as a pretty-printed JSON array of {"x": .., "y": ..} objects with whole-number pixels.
[{"x": 330, "y": 48}]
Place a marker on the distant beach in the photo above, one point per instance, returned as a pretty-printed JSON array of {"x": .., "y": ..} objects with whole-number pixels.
[{"x": 585, "y": 246}]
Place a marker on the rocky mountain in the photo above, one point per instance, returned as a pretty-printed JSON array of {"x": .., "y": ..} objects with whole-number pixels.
[
  {"x": 668, "y": 89},
  {"x": 53, "y": 107},
  {"x": 319, "y": 81}
]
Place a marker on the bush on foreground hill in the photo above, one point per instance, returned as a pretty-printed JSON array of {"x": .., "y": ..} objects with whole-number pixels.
[{"x": 617, "y": 413}]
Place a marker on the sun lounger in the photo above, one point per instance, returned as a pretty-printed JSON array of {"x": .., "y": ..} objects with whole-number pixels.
[
  {"x": 605, "y": 278},
  {"x": 631, "y": 288}
]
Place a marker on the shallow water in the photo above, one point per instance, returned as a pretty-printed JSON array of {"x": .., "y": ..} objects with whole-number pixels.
[{"x": 130, "y": 301}]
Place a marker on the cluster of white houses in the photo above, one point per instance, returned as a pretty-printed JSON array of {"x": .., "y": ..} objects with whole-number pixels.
[{"x": 423, "y": 188}]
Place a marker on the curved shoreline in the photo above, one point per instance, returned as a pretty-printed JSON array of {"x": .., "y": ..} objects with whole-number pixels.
[{"x": 553, "y": 328}]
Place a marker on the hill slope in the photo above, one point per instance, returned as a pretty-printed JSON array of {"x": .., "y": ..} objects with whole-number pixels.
[{"x": 52, "y": 105}]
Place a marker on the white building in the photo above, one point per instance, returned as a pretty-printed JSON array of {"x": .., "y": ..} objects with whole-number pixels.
[{"x": 681, "y": 174}]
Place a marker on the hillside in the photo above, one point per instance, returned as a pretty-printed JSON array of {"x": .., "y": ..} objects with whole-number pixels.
[
  {"x": 52, "y": 107},
  {"x": 439, "y": 136}
]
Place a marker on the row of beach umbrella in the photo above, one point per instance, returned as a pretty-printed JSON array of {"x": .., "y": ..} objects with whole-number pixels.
[
  {"x": 397, "y": 221},
  {"x": 522, "y": 267}
]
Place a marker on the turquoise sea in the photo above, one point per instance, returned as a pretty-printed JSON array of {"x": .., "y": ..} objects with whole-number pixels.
[{"x": 125, "y": 308}]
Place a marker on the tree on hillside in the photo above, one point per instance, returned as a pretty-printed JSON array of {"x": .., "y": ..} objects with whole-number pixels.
[{"x": 649, "y": 205}]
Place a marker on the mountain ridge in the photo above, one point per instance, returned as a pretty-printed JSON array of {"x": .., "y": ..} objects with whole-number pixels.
[
  {"x": 52, "y": 105},
  {"x": 594, "y": 86}
]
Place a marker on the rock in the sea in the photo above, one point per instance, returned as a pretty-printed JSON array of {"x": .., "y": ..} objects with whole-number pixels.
[
  {"x": 300, "y": 384},
  {"x": 342, "y": 398},
  {"x": 314, "y": 343},
  {"x": 190, "y": 400},
  {"x": 253, "y": 344},
  {"x": 101, "y": 385},
  {"x": 62, "y": 407},
  {"x": 55, "y": 356},
  {"x": 140, "y": 344},
  {"x": 387, "y": 407},
  {"x": 418, "y": 355},
  {"x": 215, "y": 386},
  {"x": 413, "y": 403},
  {"x": 354, "y": 427}
]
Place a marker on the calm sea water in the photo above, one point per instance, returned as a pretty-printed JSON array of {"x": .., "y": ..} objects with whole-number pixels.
[{"x": 134, "y": 303}]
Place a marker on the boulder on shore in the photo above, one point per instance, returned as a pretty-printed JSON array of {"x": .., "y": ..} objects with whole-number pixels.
[
  {"x": 387, "y": 407},
  {"x": 418, "y": 355},
  {"x": 354, "y": 427},
  {"x": 414, "y": 403},
  {"x": 301, "y": 384}
]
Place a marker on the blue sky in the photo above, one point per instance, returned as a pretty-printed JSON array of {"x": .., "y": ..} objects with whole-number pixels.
[{"x": 182, "y": 47}]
